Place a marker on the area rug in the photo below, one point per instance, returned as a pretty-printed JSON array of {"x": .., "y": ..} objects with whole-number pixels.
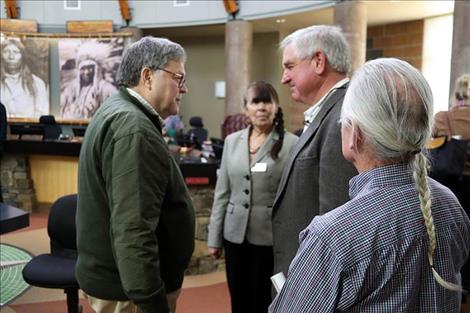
[{"x": 12, "y": 262}]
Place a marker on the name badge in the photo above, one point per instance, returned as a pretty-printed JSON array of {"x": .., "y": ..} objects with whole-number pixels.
[{"x": 259, "y": 167}]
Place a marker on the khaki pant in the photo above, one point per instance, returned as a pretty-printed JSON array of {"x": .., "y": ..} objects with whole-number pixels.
[{"x": 110, "y": 306}]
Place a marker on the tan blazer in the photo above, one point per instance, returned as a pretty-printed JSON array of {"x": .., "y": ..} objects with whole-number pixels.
[
  {"x": 243, "y": 198},
  {"x": 460, "y": 122}
]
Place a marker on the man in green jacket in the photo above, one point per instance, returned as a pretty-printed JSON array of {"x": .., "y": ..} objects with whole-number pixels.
[{"x": 135, "y": 219}]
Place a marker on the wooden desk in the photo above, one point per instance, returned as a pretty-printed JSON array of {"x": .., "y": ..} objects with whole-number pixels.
[
  {"x": 12, "y": 218},
  {"x": 54, "y": 167}
]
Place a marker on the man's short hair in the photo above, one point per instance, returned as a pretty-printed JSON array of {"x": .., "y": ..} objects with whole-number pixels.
[
  {"x": 328, "y": 39},
  {"x": 148, "y": 52}
]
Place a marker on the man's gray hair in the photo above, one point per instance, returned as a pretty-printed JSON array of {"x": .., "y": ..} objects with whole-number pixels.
[
  {"x": 148, "y": 52},
  {"x": 392, "y": 104},
  {"x": 328, "y": 39}
]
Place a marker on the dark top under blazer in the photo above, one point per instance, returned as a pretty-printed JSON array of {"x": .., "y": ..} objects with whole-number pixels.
[{"x": 315, "y": 180}]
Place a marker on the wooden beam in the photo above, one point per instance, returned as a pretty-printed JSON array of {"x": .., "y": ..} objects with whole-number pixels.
[
  {"x": 125, "y": 12},
  {"x": 90, "y": 27},
  {"x": 10, "y": 6},
  {"x": 10, "y": 25},
  {"x": 231, "y": 6},
  {"x": 69, "y": 35}
]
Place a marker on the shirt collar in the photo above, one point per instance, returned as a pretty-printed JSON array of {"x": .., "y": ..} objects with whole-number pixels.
[
  {"x": 389, "y": 175},
  {"x": 312, "y": 112},
  {"x": 146, "y": 104}
]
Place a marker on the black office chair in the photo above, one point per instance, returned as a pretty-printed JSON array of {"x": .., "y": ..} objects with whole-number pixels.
[
  {"x": 52, "y": 130},
  {"x": 197, "y": 134},
  {"x": 57, "y": 269}
]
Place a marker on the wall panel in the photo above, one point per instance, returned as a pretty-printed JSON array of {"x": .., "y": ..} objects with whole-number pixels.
[{"x": 53, "y": 176}]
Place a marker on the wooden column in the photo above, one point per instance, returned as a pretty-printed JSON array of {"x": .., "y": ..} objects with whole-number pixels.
[
  {"x": 460, "y": 60},
  {"x": 351, "y": 16},
  {"x": 238, "y": 46}
]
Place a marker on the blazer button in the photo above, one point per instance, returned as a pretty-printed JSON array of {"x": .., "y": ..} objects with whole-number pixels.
[
  {"x": 246, "y": 191},
  {"x": 246, "y": 205},
  {"x": 247, "y": 177}
]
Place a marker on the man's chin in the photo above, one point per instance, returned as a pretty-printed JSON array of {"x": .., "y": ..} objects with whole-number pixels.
[
  {"x": 295, "y": 97},
  {"x": 176, "y": 108}
]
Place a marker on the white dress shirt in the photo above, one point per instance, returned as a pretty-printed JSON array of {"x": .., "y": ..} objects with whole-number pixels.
[{"x": 312, "y": 112}]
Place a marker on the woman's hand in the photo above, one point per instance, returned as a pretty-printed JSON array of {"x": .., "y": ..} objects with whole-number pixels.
[{"x": 215, "y": 252}]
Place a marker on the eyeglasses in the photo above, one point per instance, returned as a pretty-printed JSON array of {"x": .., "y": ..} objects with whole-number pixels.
[{"x": 177, "y": 76}]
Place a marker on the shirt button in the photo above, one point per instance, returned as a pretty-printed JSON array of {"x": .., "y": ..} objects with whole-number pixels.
[
  {"x": 247, "y": 177},
  {"x": 246, "y": 191},
  {"x": 246, "y": 205}
]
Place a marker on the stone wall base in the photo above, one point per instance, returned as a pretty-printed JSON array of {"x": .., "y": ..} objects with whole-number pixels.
[{"x": 16, "y": 184}]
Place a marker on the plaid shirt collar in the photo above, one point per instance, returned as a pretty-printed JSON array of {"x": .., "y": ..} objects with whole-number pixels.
[{"x": 389, "y": 175}]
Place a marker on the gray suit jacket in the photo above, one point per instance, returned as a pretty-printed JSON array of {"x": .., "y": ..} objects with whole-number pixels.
[
  {"x": 315, "y": 180},
  {"x": 243, "y": 198}
]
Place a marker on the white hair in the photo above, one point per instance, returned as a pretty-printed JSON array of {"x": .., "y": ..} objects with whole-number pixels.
[
  {"x": 391, "y": 103},
  {"x": 328, "y": 39}
]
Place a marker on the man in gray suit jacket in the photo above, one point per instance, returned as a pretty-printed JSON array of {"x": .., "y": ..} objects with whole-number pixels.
[{"x": 316, "y": 176}]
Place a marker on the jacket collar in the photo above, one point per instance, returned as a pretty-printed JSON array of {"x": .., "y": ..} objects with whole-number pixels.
[
  {"x": 326, "y": 107},
  {"x": 154, "y": 118}
]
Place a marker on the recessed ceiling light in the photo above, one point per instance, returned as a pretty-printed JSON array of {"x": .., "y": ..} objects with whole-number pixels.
[{"x": 281, "y": 20}]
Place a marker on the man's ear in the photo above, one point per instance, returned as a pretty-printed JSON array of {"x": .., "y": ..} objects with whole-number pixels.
[
  {"x": 146, "y": 77},
  {"x": 358, "y": 139},
  {"x": 319, "y": 62}
]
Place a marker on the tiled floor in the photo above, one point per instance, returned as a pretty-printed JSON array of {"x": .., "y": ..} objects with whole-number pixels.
[{"x": 200, "y": 294}]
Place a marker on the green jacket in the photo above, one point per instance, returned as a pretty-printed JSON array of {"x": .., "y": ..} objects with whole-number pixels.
[{"x": 135, "y": 219}]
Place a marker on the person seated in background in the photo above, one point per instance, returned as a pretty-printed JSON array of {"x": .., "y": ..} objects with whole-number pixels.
[
  {"x": 174, "y": 123},
  {"x": 173, "y": 127},
  {"x": 398, "y": 245},
  {"x": 252, "y": 163},
  {"x": 457, "y": 119}
]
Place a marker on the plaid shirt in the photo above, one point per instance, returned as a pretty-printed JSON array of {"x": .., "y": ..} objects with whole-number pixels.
[{"x": 370, "y": 254}]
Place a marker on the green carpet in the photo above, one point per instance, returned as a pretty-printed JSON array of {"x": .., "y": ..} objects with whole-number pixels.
[{"x": 12, "y": 261}]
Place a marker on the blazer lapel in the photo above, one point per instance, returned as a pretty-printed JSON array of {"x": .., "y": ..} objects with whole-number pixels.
[
  {"x": 265, "y": 148},
  {"x": 307, "y": 136},
  {"x": 244, "y": 153}
]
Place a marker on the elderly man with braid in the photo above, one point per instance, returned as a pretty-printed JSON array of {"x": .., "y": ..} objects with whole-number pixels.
[{"x": 398, "y": 245}]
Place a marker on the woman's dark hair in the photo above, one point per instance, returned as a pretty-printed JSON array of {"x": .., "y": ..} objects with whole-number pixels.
[{"x": 265, "y": 92}]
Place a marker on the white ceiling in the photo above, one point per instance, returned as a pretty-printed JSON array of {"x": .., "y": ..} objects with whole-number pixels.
[{"x": 378, "y": 13}]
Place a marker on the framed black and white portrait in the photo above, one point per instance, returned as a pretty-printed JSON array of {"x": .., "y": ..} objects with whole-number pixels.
[
  {"x": 88, "y": 70},
  {"x": 24, "y": 76}
]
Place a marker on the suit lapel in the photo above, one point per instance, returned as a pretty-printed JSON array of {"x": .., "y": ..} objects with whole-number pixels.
[{"x": 306, "y": 137}]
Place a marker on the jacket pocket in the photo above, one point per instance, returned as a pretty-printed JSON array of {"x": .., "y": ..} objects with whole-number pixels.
[
  {"x": 269, "y": 211},
  {"x": 230, "y": 208}
]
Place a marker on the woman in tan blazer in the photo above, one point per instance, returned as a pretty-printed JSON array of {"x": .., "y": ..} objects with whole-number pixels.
[
  {"x": 456, "y": 122},
  {"x": 251, "y": 168}
]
